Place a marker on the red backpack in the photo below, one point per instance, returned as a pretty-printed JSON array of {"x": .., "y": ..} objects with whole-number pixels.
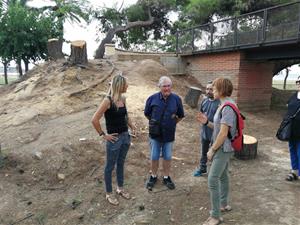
[{"x": 237, "y": 141}]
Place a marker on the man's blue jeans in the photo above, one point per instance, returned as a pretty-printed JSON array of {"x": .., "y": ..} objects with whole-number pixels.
[
  {"x": 115, "y": 155},
  {"x": 203, "y": 160}
]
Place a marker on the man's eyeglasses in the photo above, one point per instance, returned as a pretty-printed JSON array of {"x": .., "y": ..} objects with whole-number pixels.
[
  {"x": 166, "y": 86},
  {"x": 298, "y": 82},
  {"x": 209, "y": 89}
]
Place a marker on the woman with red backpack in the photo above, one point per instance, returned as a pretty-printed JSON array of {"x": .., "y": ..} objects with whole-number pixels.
[{"x": 221, "y": 150}]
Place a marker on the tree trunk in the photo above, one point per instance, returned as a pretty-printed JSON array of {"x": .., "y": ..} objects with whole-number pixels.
[
  {"x": 5, "y": 72},
  {"x": 286, "y": 76},
  {"x": 108, "y": 39},
  {"x": 192, "y": 97},
  {"x": 54, "y": 47},
  {"x": 111, "y": 33},
  {"x": 78, "y": 53},
  {"x": 249, "y": 150},
  {"x": 19, "y": 68},
  {"x": 26, "y": 63}
]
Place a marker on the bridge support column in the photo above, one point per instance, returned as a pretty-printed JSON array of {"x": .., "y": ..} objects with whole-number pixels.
[{"x": 252, "y": 80}]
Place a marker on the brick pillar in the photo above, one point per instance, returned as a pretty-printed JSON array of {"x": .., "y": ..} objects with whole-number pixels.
[
  {"x": 255, "y": 84},
  {"x": 252, "y": 81}
]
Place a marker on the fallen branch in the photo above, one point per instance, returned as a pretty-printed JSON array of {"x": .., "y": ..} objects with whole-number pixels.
[
  {"x": 94, "y": 170},
  {"x": 94, "y": 85},
  {"x": 53, "y": 188},
  {"x": 20, "y": 220}
]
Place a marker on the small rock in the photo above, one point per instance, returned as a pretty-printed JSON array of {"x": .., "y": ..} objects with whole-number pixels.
[
  {"x": 201, "y": 208},
  {"x": 61, "y": 176},
  {"x": 67, "y": 148},
  {"x": 38, "y": 155},
  {"x": 82, "y": 139},
  {"x": 81, "y": 216},
  {"x": 90, "y": 211},
  {"x": 172, "y": 220},
  {"x": 75, "y": 203},
  {"x": 141, "y": 207},
  {"x": 142, "y": 220},
  {"x": 170, "y": 212}
]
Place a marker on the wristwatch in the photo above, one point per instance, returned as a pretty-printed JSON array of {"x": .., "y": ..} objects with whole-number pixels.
[{"x": 102, "y": 133}]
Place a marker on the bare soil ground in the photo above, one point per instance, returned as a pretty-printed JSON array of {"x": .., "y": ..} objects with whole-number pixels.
[{"x": 51, "y": 168}]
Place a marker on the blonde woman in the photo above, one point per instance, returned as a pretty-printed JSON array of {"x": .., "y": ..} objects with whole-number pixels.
[{"x": 117, "y": 138}]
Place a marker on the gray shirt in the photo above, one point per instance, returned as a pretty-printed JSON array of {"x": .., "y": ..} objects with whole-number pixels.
[
  {"x": 226, "y": 116},
  {"x": 208, "y": 107}
]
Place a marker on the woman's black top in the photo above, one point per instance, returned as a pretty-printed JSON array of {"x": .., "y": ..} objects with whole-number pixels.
[
  {"x": 116, "y": 118},
  {"x": 293, "y": 105}
]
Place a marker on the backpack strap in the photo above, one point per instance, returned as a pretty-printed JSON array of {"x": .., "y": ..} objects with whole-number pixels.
[{"x": 235, "y": 109}]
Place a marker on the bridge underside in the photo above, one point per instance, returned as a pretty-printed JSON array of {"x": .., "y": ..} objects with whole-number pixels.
[
  {"x": 251, "y": 77},
  {"x": 282, "y": 52}
]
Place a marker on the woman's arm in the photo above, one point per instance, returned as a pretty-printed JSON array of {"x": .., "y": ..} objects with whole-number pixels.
[
  {"x": 99, "y": 114},
  {"x": 131, "y": 125},
  {"x": 96, "y": 121},
  {"x": 221, "y": 137}
]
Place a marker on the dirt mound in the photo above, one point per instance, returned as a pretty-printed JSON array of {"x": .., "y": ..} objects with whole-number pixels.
[{"x": 150, "y": 69}]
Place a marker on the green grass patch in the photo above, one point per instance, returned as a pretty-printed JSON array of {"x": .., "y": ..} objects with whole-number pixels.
[
  {"x": 10, "y": 79},
  {"x": 290, "y": 84}
]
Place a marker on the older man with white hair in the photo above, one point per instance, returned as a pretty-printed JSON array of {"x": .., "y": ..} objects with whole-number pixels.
[{"x": 164, "y": 110}]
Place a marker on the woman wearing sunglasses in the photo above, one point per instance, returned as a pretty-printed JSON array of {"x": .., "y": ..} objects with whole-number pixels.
[{"x": 294, "y": 142}]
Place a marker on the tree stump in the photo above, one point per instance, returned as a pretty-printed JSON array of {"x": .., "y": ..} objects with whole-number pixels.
[
  {"x": 249, "y": 150},
  {"x": 78, "y": 53},
  {"x": 192, "y": 96},
  {"x": 54, "y": 47}
]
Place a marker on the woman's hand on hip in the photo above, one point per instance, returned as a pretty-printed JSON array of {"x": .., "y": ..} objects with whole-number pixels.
[{"x": 111, "y": 137}]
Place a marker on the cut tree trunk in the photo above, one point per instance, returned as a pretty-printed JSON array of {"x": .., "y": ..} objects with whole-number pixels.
[
  {"x": 192, "y": 96},
  {"x": 54, "y": 47},
  {"x": 249, "y": 150},
  {"x": 78, "y": 53}
]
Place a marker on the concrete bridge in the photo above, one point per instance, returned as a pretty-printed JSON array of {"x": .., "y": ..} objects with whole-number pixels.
[{"x": 245, "y": 49}]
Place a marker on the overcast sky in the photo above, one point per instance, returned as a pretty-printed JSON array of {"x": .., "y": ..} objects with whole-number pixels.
[{"x": 82, "y": 31}]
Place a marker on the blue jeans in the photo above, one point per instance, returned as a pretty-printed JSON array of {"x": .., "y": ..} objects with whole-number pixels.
[
  {"x": 294, "y": 147},
  {"x": 157, "y": 147},
  {"x": 203, "y": 160},
  {"x": 115, "y": 155}
]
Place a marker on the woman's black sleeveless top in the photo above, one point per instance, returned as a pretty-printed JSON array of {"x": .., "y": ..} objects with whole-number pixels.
[{"x": 116, "y": 118}]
